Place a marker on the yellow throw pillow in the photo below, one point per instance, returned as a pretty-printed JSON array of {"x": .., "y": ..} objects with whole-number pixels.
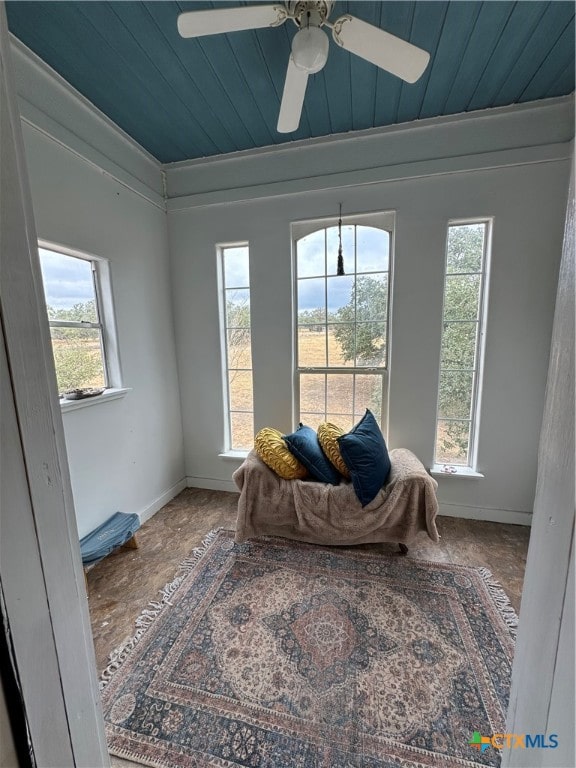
[
  {"x": 271, "y": 448},
  {"x": 327, "y": 437}
]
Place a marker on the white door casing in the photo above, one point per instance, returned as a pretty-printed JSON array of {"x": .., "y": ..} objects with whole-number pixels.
[{"x": 40, "y": 566}]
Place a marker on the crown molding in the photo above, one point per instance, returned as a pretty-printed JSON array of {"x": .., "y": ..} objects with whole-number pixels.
[
  {"x": 50, "y": 105},
  {"x": 525, "y": 134},
  {"x": 564, "y": 103}
]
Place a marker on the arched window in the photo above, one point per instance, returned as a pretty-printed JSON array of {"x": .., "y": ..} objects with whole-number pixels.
[{"x": 342, "y": 321}]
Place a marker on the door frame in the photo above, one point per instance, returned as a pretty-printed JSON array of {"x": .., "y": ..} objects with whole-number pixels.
[{"x": 47, "y": 624}]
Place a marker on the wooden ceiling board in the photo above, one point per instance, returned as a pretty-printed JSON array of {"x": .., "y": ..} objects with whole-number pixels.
[
  {"x": 253, "y": 68},
  {"x": 397, "y": 19},
  {"x": 363, "y": 80},
  {"x": 550, "y": 69},
  {"x": 485, "y": 35},
  {"x": 564, "y": 82},
  {"x": 151, "y": 78},
  {"x": 556, "y": 18},
  {"x": 219, "y": 51},
  {"x": 187, "y": 98},
  {"x": 194, "y": 61},
  {"x": 524, "y": 19},
  {"x": 337, "y": 80},
  {"x": 458, "y": 27},
  {"x": 426, "y": 33},
  {"x": 195, "y": 111},
  {"x": 80, "y": 55}
]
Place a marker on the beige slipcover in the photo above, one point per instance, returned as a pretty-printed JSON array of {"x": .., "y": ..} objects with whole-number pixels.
[{"x": 320, "y": 513}]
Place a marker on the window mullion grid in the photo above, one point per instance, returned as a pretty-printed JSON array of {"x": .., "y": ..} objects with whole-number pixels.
[
  {"x": 463, "y": 274},
  {"x": 103, "y": 350},
  {"x": 326, "y": 348},
  {"x": 328, "y": 370},
  {"x": 478, "y": 351},
  {"x": 478, "y": 320},
  {"x": 227, "y": 348},
  {"x": 325, "y": 303},
  {"x": 76, "y": 324},
  {"x": 355, "y": 324},
  {"x": 229, "y": 370}
]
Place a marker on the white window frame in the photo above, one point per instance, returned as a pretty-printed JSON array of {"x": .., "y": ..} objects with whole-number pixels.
[
  {"x": 105, "y": 311},
  {"x": 470, "y": 469},
  {"x": 384, "y": 220},
  {"x": 228, "y": 451}
]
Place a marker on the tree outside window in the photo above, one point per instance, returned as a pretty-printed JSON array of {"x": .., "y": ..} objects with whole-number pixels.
[{"x": 74, "y": 316}]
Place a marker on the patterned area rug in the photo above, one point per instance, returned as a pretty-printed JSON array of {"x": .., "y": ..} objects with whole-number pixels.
[{"x": 278, "y": 654}]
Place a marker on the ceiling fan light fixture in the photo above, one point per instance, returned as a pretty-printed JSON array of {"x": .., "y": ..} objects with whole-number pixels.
[{"x": 310, "y": 49}]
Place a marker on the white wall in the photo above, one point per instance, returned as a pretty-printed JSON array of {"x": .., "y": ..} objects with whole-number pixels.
[
  {"x": 126, "y": 454},
  {"x": 95, "y": 190},
  {"x": 542, "y": 693},
  {"x": 523, "y": 187}
]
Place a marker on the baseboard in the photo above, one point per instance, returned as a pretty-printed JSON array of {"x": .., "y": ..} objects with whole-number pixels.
[
  {"x": 211, "y": 484},
  {"x": 510, "y": 516},
  {"x": 157, "y": 504},
  {"x": 513, "y": 517}
]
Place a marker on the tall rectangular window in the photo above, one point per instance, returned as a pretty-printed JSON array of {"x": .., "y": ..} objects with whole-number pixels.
[
  {"x": 72, "y": 288},
  {"x": 237, "y": 346},
  {"x": 342, "y": 321},
  {"x": 462, "y": 334}
]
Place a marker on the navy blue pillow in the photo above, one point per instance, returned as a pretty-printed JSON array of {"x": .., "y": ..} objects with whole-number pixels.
[
  {"x": 366, "y": 456},
  {"x": 305, "y": 446}
]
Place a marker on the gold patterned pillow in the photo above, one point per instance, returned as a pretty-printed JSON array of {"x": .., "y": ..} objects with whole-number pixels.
[
  {"x": 272, "y": 449},
  {"x": 327, "y": 437}
]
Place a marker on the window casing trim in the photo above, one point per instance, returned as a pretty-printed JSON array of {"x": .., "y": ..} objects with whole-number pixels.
[
  {"x": 383, "y": 220},
  {"x": 105, "y": 306},
  {"x": 228, "y": 451},
  {"x": 471, "y": 468}
]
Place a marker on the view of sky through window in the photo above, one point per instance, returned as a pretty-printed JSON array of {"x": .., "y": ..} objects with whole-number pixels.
[
  {"x": 73, "y": 316},
  {"x": 342, "y": 323},
  {"x": 67, "y": 280}
]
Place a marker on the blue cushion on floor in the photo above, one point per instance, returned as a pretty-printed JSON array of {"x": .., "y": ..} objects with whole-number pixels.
[
  {"x": 305, "y": 446},
  {"x": 365, "y": 454},
  {"x": 108, "y": 537}
]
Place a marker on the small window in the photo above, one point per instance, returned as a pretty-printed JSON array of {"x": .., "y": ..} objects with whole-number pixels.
[
  {"x": 461, "y": 353},
  {"x": 342, "y": 320},
  {"x": 235, "y": 314},
  {"x": 72, "y": 286}
]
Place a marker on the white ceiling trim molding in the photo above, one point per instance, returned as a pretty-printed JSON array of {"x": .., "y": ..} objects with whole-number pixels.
[
  {"x": 534, "y": 132},
  {"x": 49, "y": 104},
  {"x": 564, "y": 103},
  {"x": 377, "y": 175}
]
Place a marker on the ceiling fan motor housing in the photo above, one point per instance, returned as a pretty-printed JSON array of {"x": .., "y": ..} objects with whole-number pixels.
[
  {"x": 310, "y": 44},
  {"x": 311, "y": 12}
]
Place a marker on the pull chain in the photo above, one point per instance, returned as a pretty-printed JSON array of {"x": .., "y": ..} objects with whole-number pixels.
[{"x": 340, "y": 268}]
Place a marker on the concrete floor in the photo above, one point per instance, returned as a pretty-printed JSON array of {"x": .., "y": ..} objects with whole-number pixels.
[{"x": 122, "y": 585}]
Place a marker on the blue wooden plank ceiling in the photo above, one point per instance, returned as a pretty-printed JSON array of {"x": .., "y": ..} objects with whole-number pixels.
[{"x": 182, "y": 99}]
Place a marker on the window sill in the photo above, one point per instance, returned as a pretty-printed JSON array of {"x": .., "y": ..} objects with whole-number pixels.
[
  {"x": 448, "y": 470},
  {"x": 234, "y": 455},
  {"x": 113, "y": 393}
]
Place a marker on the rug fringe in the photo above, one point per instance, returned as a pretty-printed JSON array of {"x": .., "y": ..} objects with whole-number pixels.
[
  {"x": 501, "y": 600},
  {"x": 155, "y": 607}
]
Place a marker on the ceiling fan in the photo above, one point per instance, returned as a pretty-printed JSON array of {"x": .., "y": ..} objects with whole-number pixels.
[{"x": 310, "y": 44}]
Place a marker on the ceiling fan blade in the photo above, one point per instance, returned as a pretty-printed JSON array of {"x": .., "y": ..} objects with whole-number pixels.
[
  {"x": 292, "y": 98},
  {"x": 221, "y": 20},
  {"x": 381, "y": 48}
]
